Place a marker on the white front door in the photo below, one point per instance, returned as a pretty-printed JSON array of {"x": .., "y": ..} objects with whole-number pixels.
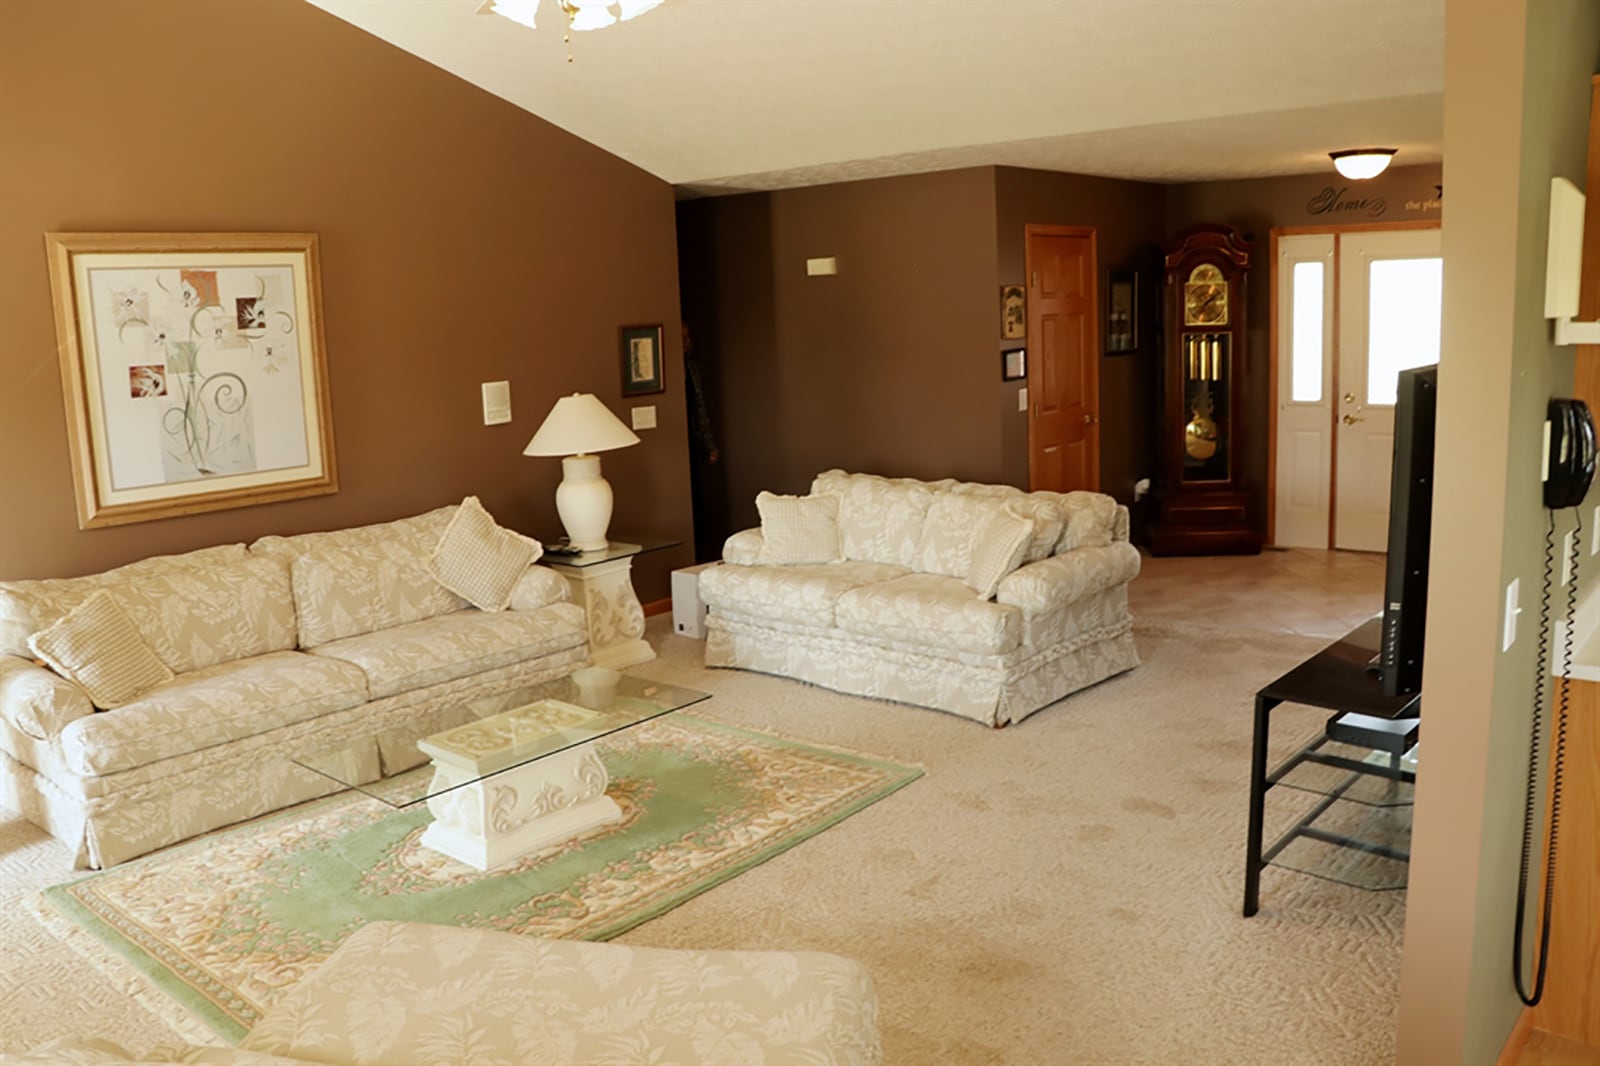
[
  {"x": 1389, "y": 314},
  {"x": 1337, "y": 375},
  {"x": 1304, "y": 490}
]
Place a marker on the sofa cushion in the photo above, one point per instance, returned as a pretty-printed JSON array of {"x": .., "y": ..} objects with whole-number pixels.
[
  {"x": 480, "y": 560},
  {"x": 210, "y": 606},
  {"x": 951, "y": 528},
  {"x": 880, "y": 519},
  {"x": 799, "y": 530},
  {"x": 930, "y": 610},
  {"x": 38, "y": 702},
  {"x": 997, "y": 550},
  {"x": 804, "y": 595},
  {"x": 1091, "y": 520},
  {"x": 96, "y": 646},
  {"x": 435, "y": 650},
  {"x": 208, "y": 707},
  {"x": 360, "y": 580}
]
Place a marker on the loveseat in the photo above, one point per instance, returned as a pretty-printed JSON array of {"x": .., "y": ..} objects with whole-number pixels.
[
  {"x": 285, "y": 645},
  {"x": 406, "y": 994},
  {"x": 894, "y": 616}
]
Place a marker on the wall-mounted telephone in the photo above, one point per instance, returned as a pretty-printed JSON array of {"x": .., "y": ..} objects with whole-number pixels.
[
  {"x": 1569, "y": 463},
  {"x": 1569, "y": 453}
]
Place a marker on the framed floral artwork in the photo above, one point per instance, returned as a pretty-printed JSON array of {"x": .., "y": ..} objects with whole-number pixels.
[
  {"x": 1013, "y": 313},
  {"x": 193, "y": 371},
  {"x": 641, "y": 360}
]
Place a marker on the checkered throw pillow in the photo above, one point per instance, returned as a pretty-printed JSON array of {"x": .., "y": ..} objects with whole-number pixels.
[
  {"x": 799, "y": 529},
  {"x": 480, "y": 561}
]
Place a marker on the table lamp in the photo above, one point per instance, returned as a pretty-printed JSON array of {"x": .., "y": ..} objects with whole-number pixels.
[{"x": 578, "y": 425}]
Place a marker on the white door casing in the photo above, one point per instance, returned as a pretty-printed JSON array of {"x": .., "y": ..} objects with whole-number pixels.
[{"x": 1304, "y": 489}]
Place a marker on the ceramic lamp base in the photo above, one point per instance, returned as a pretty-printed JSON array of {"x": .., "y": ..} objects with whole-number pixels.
[{"x": 583, "y": 500}]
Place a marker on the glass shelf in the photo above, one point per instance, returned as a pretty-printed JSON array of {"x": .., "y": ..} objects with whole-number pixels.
[
  {"x": 1372, "y": 856},
  {"x": 1311, "y": 774}
]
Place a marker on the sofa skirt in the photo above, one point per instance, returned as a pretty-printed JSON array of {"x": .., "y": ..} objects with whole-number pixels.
[
  {"x": 105, "y": 824},
  {"x": 992, "y": 689}
]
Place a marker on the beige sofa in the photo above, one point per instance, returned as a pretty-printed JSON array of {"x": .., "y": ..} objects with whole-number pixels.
[
  {"x": 293, "y": 642},
  {"x": 895, "y": 619},
  {"x": 402, "y": 994}
]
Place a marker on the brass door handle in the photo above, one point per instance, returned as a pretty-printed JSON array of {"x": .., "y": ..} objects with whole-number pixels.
[
  {"x": 1351, "y": 420},
  {"x": 1089, "y": 419}
]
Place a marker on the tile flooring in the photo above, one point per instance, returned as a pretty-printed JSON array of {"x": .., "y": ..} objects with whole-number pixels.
[{"x": 1298, "y": 590}]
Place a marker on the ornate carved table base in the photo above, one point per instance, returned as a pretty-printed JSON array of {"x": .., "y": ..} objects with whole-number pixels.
[
  {"x": 490, "y": 822},
  {"x": 616, "y": 621}
]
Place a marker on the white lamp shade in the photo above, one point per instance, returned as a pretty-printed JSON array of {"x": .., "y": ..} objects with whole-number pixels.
[
  {"x": 578, "y": 425},
  {"x": 1358, "y": 164}
]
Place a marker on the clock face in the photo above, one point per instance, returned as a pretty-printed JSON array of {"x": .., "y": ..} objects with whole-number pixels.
[{"x": 1205, "y": 297}]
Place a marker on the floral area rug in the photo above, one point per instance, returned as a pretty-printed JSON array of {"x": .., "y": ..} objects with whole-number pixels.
[{"x": 226, "y": 923}]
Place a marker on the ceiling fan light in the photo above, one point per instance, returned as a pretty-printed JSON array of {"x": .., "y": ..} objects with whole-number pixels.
[
  {"x": 591, "y": 14},
  {"x": 1359, "y": 164},
  {"x": 518, "y": 11}
]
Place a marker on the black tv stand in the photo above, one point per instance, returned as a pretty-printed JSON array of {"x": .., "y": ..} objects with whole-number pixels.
[{"x": 1337, "y": 678}]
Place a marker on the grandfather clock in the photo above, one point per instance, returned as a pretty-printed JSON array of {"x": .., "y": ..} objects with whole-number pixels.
[{"x": 1201, "y": 504}]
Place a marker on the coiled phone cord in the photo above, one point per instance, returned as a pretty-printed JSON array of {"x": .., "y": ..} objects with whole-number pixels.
[{"x": 1531, "y": 999}]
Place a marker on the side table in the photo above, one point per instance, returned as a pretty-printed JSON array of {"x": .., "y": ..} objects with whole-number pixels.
[{"x": 602, "y": 584}]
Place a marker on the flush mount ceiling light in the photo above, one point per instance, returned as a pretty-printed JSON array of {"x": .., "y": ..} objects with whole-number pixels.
[
  {"x": 582, "y": 15},
  {"x": 1358, "y": 164}
]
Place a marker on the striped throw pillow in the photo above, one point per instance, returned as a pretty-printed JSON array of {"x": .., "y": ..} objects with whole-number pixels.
[
  {"x": 997, "y": 549},
  {"x": 98, "y": 647}
]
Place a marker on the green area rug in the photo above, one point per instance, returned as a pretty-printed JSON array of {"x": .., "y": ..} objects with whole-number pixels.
[{"x": 228, "y": 922}]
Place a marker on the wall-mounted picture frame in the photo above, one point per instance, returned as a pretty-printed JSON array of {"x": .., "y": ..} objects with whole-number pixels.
[
  {"x": 1013, "y": 313},
  {"x": 641, "y": 360},
  {"x": 1014, "y": 364},
  {"x": 193, "y": 370},
  {"x": 1122, "y": 312}
]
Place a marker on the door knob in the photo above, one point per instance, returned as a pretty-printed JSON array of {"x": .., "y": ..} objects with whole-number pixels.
[
  {"x": 1349, "y": 397},
  {"x": 1351, "y": 420},
  {"x": 1089, "y": 419}
]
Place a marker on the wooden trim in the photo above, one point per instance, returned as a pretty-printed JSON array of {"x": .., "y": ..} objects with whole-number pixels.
[
  {"x": 1274, "y": 401},
  {"x": 655, "y": 607},
  {"x": 1512, "y": 1050},
  {"x": 1359, "y": 227},
  {"x": 1336, "y": 354},
  {"x": 1589, "y": 282}
]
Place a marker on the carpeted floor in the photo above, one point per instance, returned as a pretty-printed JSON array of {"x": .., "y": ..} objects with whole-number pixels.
[{"x": 1063, "y": 891}]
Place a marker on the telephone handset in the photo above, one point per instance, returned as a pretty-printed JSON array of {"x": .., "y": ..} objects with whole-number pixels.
[
  {"x": 1569, "y": 463},
  {"x": 1569, "y": 453}
]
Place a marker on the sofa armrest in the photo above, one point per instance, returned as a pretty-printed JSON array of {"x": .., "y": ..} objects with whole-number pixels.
[
  {"x": 539, "y": 586},
  {"x": 743, "y": 548},
  {"x": 38, "y": 701},
  {"x": 1062, "y": 579}
]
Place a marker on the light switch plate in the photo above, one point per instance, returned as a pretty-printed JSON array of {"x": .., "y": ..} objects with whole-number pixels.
[
  {"x": 1509, "y": 637},
  {"x": 822, "y": 267},
  {"x": 496, "y": 403},
  {"x": 644, "y": 417},
  {"x": 1022, "y": 398}
]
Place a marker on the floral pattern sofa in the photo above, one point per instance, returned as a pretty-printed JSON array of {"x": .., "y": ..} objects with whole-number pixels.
[
  {"x": 278, "y": 647},
  {"x": 895, "y": 620},
  {"x": 406, "y": 994}
]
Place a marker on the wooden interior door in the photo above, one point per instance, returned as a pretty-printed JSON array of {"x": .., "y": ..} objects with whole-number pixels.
[{"x": 1063, "y": 359}]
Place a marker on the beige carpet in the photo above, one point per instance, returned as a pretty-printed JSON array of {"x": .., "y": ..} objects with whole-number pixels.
[{"x": 1063, "y": 891}]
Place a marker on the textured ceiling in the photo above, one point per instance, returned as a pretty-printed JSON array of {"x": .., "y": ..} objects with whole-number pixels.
[{"x": 725, "y": 95}]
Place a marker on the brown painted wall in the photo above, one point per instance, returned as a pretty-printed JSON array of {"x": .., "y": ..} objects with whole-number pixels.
[
  {"x": 463, "y": 241},
  {"x": 890, "y": 366},
  {"x": 1127, "y": 217},
  {"x": 1256, "y": 206}
]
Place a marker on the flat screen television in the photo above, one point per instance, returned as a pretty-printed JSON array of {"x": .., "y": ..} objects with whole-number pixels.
[{"x": 1405, "y": 587}]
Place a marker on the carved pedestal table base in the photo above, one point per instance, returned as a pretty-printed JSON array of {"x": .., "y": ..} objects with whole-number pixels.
[
  {"x": 492, "y": 821},
  {"x": 616, "y": 621}
]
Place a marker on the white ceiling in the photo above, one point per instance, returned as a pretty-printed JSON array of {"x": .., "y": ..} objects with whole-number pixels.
[{"x": 725, "y": 95}]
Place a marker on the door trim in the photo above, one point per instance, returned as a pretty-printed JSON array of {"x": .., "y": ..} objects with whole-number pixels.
[
  {"x": 1046, "y": 229},
  {"x": 1272, "y": 351}
]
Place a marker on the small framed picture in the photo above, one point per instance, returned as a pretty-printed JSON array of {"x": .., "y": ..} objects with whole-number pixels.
[
  {"x": 1013, "y": 313},
  {"x": 1122, "y": 312},
  {"x": 1014, "y": 364},
  {"x": 642, "y": 353}
]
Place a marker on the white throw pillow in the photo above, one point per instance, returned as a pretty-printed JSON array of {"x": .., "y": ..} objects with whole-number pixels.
[
  {"x": 479, "y": 560},
  {"x": 998, "y": 549},
  {"x": 99, "y": 648},
  {"x": 799, "y": 529}
]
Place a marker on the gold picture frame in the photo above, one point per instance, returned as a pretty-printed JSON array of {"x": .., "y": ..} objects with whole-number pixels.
[{"x": 193, "y": 370}]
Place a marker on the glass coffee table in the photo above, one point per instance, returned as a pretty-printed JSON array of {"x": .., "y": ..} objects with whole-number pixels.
[{"x": 511, "y": 773}]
